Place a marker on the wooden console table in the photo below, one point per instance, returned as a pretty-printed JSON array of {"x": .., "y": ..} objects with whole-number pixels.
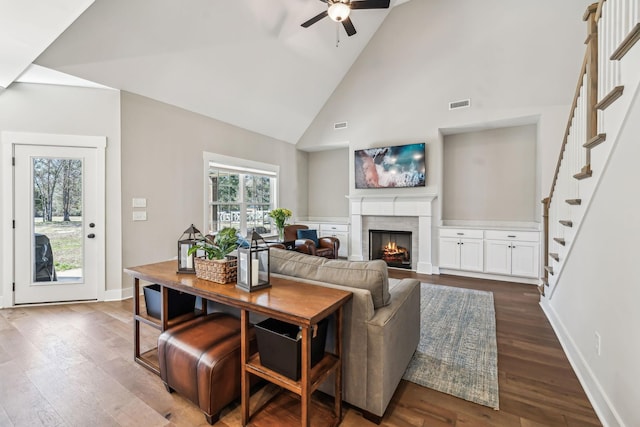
[{"x": 287, "y": 300}]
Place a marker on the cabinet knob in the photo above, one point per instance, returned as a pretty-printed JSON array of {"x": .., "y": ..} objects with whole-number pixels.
[{"x": 513, "y": 236}]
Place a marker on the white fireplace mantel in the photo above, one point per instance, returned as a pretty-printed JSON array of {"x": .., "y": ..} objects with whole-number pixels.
[{"x": 419, "y": 206}]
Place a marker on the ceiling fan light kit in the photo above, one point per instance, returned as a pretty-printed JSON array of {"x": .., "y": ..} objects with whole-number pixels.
[{"x": 339, "y": 10}]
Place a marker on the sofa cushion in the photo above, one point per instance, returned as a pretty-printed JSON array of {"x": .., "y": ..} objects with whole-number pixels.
[
  {"x": 370, "y": 275},
  {"x": 308, "y": 234}
]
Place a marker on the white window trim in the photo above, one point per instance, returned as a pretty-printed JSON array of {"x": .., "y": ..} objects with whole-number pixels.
[{"x": 222, "y": 161}]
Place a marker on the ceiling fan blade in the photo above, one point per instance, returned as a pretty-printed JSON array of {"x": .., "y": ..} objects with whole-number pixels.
[
  {"x": 348, "y": 26},
  {"x": 370, "y": 4},
  {"x": 315, "y": 19}
]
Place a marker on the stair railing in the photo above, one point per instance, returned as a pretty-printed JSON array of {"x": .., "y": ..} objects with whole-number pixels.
[
  {"x": 613, "y": 27},
  {"x": 573, "y": 157}
]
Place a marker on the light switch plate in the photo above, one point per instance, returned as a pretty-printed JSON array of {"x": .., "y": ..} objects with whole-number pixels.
[
  {"x": 138, "y": 202},
  {"x": 140, "y": 216}
]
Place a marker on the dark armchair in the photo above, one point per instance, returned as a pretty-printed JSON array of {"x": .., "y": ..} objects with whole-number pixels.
[{"x": 326, "y": 246}]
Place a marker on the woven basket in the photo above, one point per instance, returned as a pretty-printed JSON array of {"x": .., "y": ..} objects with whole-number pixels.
[{"x": 217, "y": 270}]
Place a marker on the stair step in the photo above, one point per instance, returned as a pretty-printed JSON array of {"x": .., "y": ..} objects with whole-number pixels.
[
  {"x": 626, "y": 44},
  {"x": 560, "y": 240},
  {"x": 609, "y": 98},
  {"x": 541, "y": 289},
  {"x": 554, "y": 256},
  {"x": 545, "y": 281},
  {"x": 584, "y": 173},
  {"x": 566, "y": 223},
  {"x": 595, "y": 141},
  {"x": 574, "y": 202},
  {"x": 549, "y": 269}
]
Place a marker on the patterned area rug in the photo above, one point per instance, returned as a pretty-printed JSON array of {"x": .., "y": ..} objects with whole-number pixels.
[{"x": 457, "y": 353}]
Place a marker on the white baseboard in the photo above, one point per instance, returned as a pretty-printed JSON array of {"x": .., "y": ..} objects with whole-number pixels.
[
  {"x": 118, "y": 294},
  {"x": 599, "y": 400},
  {"x": 480, "y": 275},
  {"x": 424, "y": 268}
]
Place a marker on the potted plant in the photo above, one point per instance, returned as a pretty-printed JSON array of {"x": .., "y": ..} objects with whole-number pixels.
[
  {"x": 280, "y": 216},
  {"x": 214, "y": 265}
]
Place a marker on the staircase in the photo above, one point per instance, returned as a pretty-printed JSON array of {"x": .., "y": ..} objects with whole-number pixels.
[{"x": 610, "y": 70}]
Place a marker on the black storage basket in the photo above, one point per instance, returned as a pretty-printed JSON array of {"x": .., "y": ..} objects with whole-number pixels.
[
  {"x": 280, "y": 347},
  {"x": 179, "y": 302}
]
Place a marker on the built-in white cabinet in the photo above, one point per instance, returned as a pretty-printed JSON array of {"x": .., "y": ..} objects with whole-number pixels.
[
  {"x": 461, "y": 249},
  {"x": 501, "y": 252},
  {"x": 513, "y": 253}
]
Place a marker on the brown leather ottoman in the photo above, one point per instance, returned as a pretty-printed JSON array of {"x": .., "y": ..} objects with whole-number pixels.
[{"x": 200, "y": 359}]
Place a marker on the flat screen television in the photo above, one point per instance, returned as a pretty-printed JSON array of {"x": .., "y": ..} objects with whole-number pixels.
[{"x": 391, "y": 167}]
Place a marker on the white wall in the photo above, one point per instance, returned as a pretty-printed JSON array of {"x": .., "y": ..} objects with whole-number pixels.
[
  {"x": 76, "y": 111},
  {"x": 328, "y": 175},
  {"x": 599, "y": 290},
  {"x": 162, "y": 149},
  {"x": 501, "y": 165}
]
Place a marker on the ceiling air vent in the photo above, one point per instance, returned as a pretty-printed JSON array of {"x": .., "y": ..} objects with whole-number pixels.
[
  {"x": 454, "y": 105},
  {"x": 340, "y": 125}
]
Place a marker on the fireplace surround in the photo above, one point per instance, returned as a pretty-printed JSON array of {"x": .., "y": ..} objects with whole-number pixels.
[{"x": 393, "y": 209}]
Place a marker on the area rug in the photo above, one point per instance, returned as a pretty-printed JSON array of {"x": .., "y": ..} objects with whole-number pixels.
[{"x": 457, "y": 353}]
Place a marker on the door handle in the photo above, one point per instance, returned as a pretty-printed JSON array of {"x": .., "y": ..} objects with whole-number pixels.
[{"x": 91, "y": 236}]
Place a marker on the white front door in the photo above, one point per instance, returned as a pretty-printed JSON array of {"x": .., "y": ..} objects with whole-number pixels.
[{"x": 59, "y": 228}]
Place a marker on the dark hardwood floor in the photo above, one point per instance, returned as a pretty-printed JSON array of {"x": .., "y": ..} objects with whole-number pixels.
[{"x": 72, "y": 365}]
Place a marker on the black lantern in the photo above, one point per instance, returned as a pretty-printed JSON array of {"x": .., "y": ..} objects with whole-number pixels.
[
  {"x": 253, "y": 265},
  {"x": 189, "y": 238}
]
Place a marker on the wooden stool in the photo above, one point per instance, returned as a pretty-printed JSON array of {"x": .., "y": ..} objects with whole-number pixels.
[{"x": 200, "y": 359}]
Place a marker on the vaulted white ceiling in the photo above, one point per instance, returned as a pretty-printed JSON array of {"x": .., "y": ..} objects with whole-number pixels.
[
  {"x": 27, "y": 27},
  {"x": 244, "y": 62}
]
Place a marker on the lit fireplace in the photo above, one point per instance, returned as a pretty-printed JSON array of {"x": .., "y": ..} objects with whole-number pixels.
[
  {"x": 394, "y": 253},
  {"x": 394, "y": 247}
]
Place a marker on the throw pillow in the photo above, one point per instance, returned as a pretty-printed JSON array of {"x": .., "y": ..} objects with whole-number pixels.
[{"x": 309, "y": 234}]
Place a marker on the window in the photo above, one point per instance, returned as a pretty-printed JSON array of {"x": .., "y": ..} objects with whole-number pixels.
[{"x": 240, "y": 194}]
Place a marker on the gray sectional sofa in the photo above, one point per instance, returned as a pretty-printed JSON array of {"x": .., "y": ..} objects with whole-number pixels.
[{"x": 381, "y": 326}]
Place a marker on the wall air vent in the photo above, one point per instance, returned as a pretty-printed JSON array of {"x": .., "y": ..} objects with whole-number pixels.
[
  {"x": 454, "y": 105},
  {"x": 340, "y": 125}
]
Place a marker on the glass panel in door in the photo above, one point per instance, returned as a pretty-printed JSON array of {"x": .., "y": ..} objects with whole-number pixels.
[{"x": 57, "y": 245}]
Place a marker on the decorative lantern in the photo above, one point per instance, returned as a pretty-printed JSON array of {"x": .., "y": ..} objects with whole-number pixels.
[
  {"x": 189, "y": 238},
  {"x": 253, "y": 265}
]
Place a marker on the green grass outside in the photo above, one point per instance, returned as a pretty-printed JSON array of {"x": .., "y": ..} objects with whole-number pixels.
[{"x": 66, "y": 241}]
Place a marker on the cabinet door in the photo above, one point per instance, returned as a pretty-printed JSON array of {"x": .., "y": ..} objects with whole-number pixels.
[
  {"x": 471, "y": 254},
  {"x": 449, "y": 252},
  {"x": 498, "y": 258},
  {"x": 524, "y": 259}
]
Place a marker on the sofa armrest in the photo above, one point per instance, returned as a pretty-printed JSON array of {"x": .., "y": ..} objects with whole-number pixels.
[
  {"x": 329, "y": 242},
  {"x": 306, "y": 246},
  {"x": 393, "y": 336}
]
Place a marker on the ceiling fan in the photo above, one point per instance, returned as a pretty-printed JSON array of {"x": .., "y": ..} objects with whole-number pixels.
[{"x": 339, "y": 11}]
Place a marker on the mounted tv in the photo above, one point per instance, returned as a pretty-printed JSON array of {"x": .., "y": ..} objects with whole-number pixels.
[{"x": 391, "y": 167}]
